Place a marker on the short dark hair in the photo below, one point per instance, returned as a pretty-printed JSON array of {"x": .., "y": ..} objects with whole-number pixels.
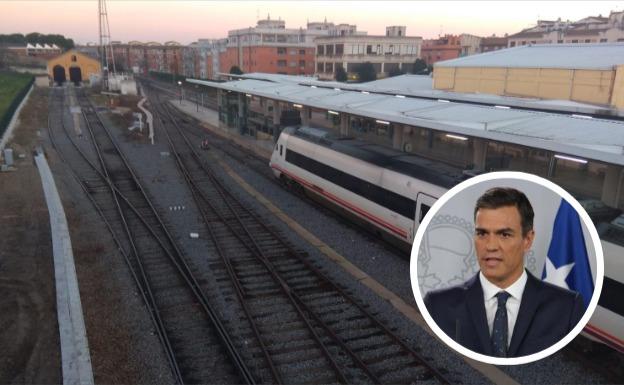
[{"x": 497, "y": 197}]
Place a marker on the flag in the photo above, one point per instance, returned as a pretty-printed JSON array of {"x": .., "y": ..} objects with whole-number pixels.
[{"x": 567, "y": 263}]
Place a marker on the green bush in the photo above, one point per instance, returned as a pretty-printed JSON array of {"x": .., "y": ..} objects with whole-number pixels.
[{"x": 13, "y": 87}]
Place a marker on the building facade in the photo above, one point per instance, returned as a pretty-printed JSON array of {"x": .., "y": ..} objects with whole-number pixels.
[
  {"x": 393, "y": 52},
  {"x": 271, "y": 47},
  {"x": 444, "y": 48},
  {"x": 470, "y": 44},
  {"x": 73, "y": 66},
  {"x": 142, "y": 58},
  {"x": 493, "y": 43},
  {"x": 593, "y": 29}
]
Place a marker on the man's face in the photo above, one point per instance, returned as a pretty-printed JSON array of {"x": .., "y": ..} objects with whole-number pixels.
[{"x": 500, "y": 244}]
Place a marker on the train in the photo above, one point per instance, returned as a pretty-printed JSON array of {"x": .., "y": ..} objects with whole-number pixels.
[{"x": 390, "y": 192}]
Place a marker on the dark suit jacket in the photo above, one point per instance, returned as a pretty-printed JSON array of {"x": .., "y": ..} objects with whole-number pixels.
[{"x": 547, "y": 313}]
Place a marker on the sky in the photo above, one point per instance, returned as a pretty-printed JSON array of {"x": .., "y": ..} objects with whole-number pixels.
[{"x": 186, "y": 21}]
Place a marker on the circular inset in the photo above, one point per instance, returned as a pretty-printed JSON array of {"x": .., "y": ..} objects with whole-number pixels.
[{"x": 443, "y": 256}]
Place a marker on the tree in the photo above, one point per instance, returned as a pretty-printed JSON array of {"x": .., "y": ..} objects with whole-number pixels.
[
  {"x": 420, "y": 67},
  {"x": 37, "y": 38},
  {"x": 235, "y": 70},
  {"x": 366, "y": 72},
  {"x": 341, "y": 74}
]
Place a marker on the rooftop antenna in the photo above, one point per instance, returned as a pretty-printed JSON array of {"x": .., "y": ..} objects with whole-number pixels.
[{"x": 106, "y": 48}]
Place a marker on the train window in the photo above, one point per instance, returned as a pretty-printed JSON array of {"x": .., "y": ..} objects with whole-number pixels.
[
  {"x": 281, "y": 149},
  {"x": 424, "y": 209},
  {"x": 386, "y": 198},
  {"x": 583, "y": 179}
]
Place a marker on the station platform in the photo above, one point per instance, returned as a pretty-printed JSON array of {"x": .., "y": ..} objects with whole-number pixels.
[
  {"x": 260, "y": 145},
  {"x": 75, "y": 354}
]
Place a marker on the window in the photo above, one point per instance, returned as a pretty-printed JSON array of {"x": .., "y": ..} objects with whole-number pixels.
[
  {"x": 339, "y": 49},
  {"x": 281, "y": 149},
  {"x": 281, "y": 51},
  {"x": 512, "y": 44},
  {"x": 502, "y": 156},
  {"x": 603, "y": 40},
  {"x": 575, "y": 41},
  {"x": 329, "y": 67},
  {"x": 302, "y": 52},
  {"x": 424, "y": 209},
  {"x": 292, "y": 64},
  {"x": 329, "y": 49},
  {"x": 320, "y": 67},
  {"x": 320, "y": 50},
  {"x": 587, "y": 41},
  {"x": 369, "y": 49},
  {"x": 398, "y": 203},
  {"x": 281, "y": 63},
  {"x": 293, "y": 51},
  {"x": 302, "y": 63},
  {"x": 559, "y": 41}
]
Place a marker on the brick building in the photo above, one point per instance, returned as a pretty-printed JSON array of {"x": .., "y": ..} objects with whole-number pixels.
[
  {"x": 444, "y": 48},
  {"x": 270, "y": 47},
  {"x": 152, "y": 56}
]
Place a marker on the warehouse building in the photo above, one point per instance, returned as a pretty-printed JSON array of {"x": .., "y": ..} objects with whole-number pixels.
[
  {"x": 590, "y": 73},
  {"x": 73, "y": 66}
]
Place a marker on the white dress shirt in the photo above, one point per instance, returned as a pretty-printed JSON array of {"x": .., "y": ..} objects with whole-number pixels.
[{"x": 513, "y": 302}]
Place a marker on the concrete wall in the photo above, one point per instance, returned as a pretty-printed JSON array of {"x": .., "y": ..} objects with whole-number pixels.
[{"x": 585, "y": 86}]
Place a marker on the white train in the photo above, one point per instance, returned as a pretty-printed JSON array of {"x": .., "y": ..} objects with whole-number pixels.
[{"x": 391, "y": 191}]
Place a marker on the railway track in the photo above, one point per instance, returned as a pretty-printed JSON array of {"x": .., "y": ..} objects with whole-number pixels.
[
  {"x": 592, "y": 355},
  {"x": 258, "y": 164},
  {"x": 292, "y": 315},
  {"x": 194, "y": 339}
]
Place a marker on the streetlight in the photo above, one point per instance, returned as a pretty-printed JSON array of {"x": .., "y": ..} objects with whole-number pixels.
[{"x": 180, "y": 84}]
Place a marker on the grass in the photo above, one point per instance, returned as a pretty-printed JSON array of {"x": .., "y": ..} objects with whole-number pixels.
[{"x": 11, "y": 84}]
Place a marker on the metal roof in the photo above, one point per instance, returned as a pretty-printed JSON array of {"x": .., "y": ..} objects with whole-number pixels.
[
  {"x": 597, "y": 139},
  {"x": 599, "y": 56},
  {"x": 422, "y": 86}
]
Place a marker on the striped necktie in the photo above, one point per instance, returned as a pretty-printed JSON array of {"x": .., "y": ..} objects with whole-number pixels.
[{"x": 499, "y": 329}]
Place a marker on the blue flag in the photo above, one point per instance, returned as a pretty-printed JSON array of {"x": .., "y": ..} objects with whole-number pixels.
[{"x": 567, "y": 264}]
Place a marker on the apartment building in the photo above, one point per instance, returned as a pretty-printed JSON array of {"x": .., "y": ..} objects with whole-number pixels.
[
  {"x": 393, "y": 52},
  {"x": 272, "y": 48},
  {"x": 592, "y": 29},
  {"x": 443, "y": 48},
  {"x": 141, "y": 57},
  {"x": 493, "y": 43}
]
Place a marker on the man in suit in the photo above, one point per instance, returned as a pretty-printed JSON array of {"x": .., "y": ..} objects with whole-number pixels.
[{"x": 504, "y": 311}]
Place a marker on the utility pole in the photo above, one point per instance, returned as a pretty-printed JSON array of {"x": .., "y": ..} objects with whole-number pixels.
[{"x": 106, "y": 47}]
